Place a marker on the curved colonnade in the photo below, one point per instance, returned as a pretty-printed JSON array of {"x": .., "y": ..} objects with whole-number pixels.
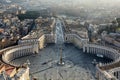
[
  {"x": 24, "y": 48},
  {"x": 17, "y": 52},
  {"x": 108, "y": 71}
]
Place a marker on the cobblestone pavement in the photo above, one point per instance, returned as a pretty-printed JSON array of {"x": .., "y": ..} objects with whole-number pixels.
[{"x": 78, "y": 65}]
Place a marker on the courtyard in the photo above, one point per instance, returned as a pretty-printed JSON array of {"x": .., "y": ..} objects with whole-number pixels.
[{"x": 77, "y": 65}]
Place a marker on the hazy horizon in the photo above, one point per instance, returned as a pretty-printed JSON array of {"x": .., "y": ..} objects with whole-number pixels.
[{"x": 101, "y": 10}]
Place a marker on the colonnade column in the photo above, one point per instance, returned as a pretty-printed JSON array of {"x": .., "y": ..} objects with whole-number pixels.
[
  {"x": 87, "y": 49},
  {"x": 83, "y": 48}
]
